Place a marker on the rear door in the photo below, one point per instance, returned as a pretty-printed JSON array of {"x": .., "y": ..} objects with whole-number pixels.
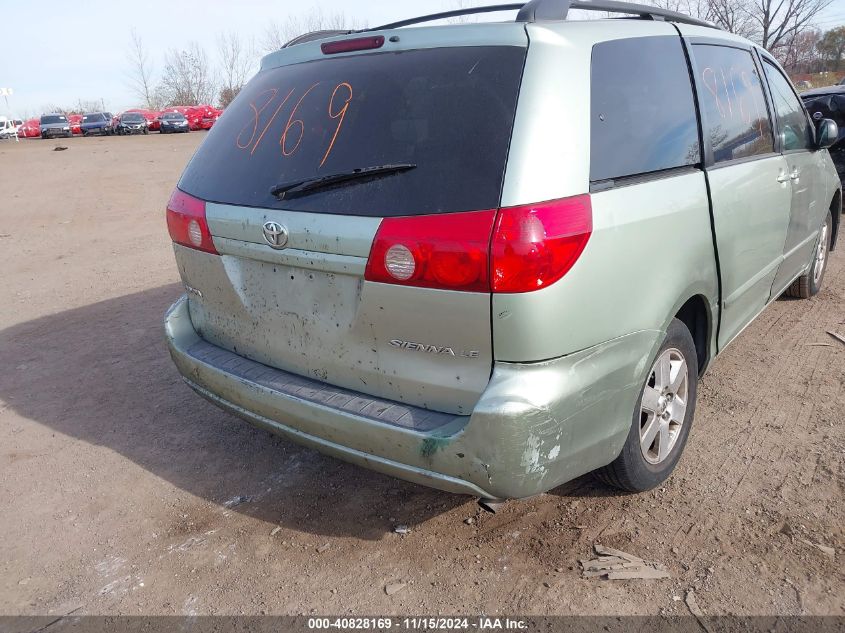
[
  {"x": 796, "y": 141},
  {"x": 749, "y": 182},
  {"x": 304, "y": 306}
]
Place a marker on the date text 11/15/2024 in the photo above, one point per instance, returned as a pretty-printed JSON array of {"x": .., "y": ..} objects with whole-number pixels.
[{"x": 418, "y": 623}]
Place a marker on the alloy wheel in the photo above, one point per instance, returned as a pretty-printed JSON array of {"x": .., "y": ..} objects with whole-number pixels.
[
  {"x": 664, "y": 405},
  {"x": 821, "y": 255}
]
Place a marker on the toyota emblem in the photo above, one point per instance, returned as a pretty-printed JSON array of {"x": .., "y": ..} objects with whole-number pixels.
[{"x": 275, "y": 235}]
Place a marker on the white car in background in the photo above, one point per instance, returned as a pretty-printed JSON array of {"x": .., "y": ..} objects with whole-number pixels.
[{"x": 9, "y": 127}]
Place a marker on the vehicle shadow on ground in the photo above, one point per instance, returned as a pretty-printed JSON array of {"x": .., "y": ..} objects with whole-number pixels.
[{"x": 102, "y": 374}]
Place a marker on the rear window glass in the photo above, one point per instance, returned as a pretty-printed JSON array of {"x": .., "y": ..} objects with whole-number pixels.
[
  {"x": 449, "y": 111},
  {"x": 643, "y": 114},
  {"x": 736, "y": 118}
]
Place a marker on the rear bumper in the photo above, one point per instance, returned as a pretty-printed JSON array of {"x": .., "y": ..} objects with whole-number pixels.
[{"x": 535, "y": 427}]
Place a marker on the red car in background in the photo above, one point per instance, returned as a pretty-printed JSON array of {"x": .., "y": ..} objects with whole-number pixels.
[
  {"x": 31, "y": 128},
  {"x": 200, "y": 117},
  {"x": 75, "y": 121},
  {"x": 208, "y": 116},
  {"x": 151, "y": 116}
]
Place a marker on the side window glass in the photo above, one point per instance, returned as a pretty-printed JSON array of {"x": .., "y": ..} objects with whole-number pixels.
[
  {"x": 642, "y": 109},
  {"x": 733, "y": 106},
  {"x": 793, "y": 125}
]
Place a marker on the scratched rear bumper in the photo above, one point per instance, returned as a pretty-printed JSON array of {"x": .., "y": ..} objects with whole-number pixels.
[{"x": 535, "y": 427}]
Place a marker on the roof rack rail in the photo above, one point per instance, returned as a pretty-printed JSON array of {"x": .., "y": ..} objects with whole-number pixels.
[
  {"x": 641, "y": 10},
  {"x": 450, "y": 14},
  {"x": 538, "y": 10},
  {"x": 315, "y": 35}
]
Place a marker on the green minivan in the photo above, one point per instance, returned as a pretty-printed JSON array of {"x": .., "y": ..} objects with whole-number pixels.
[{"x": 492, "y": 257}]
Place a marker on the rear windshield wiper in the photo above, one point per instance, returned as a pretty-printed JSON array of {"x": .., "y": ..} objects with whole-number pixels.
[{"x": 308, "y": 185}]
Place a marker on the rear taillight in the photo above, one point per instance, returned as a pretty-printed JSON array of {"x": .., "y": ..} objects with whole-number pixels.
[
  {"x": 535, "y": 245},
  {"x": 446, "y": 251},
  {"x": 187, "y": 223},
  {"x": 517, "y": 249}
]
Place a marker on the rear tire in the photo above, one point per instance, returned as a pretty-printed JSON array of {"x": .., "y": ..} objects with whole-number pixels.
[
  {"x": 662, "y": 417},
  {"x": 809, "y": 284}
]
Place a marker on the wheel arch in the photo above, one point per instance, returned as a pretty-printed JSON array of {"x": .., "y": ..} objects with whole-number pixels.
[
  {"x": 697, "y": 315},
  {"x": 836, "y": 214}
]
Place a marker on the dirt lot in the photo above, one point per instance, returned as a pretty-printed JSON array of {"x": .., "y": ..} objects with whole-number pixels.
[{"x": 125, "y": 493}]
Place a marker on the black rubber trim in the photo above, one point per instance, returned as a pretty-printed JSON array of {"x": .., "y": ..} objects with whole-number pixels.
[{"x": 299, "y": 387}]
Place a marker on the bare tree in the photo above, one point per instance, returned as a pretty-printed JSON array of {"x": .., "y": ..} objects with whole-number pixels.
[
  {"x": 52, "y": 108},
  {"x": 140, "y": 73},
  {"x": 88, "y": 105},
  {"x": 771, "y": 23},
  {"x": 732, "y": 15},
  {"x": 237, "y": 58},
  {"x": 187, "y": 77},
  {"x": 277, "y": 34},
  {"x": 801, "y": 53},
  {"x": 778, "y": 21}
]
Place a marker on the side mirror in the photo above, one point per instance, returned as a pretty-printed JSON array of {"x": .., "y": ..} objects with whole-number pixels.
[{"x": 828, "y": 133}]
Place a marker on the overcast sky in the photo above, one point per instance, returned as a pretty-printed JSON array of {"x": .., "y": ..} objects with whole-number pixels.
[{"x": 58, "y": 53}]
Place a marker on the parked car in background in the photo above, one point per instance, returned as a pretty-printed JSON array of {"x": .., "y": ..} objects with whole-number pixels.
[
  {"x": 131, "y": 123},
  {"x": 171, "y": 122},
  {"x": 9, "y": 127},
  {"x": 453, "y": 266},
  {"x": 97, "y": 123},
  {"x": 53, "y": 125},
  {"x": 75, "y": 123},
  {"x": 829, "y": 103},
  {"x": 150, "y": 115},
  {"x": 192, "y": 113},
  {"x": 31, "y": 128},
  {"x": 208, "y": 116}
]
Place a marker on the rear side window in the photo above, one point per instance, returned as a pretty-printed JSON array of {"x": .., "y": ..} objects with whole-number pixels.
[
  {"x": 736, "y": 119},
  {"x": 643, "y": 113},
  {"x": 449, "y": 111},
  {"x": 793, "y": 125}
]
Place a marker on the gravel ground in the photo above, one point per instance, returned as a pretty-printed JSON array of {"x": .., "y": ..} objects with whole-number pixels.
[{"x": 125, "y": 493}]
